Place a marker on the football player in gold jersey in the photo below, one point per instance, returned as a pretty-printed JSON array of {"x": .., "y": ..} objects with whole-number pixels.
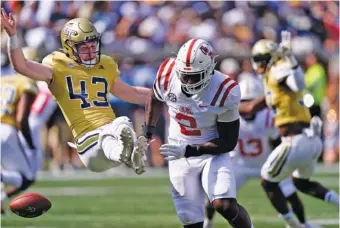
[
  {"x": 17, "y": 96},
  {"x": 80, "y": 79},
  {"x": 301, "y": 144}
]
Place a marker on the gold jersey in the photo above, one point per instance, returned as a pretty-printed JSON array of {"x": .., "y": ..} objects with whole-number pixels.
[
  {"x": 82, "y": 93},
  {"x": 287, "y": 105},
  {"x": 12, "y": 88}
]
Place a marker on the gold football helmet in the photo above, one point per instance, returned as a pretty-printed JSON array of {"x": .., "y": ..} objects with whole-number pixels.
[
  {"x": 262, "y": 55},
  {"x": 79, "y": 31}
]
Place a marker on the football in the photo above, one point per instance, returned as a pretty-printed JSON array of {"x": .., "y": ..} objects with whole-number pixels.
[{"x": 30, "y": 205}]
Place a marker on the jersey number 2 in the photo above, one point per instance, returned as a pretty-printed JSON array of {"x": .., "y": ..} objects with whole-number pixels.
[
  {"x": 83, "y": 95},
  {"x": 255, "y": 142},
  {"x": 192, "y": 124}
]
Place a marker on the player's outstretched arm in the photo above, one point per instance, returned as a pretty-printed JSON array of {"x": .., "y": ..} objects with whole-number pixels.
[
  {"x": 21, "y": 65},
  {"x": 131, "y": 94}
]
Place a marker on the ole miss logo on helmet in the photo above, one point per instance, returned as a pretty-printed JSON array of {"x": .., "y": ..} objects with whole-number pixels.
[{"x": 206, "y": 50}]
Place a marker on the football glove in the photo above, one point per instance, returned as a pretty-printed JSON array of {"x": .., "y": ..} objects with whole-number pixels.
[{"x": 173, "y": 152}]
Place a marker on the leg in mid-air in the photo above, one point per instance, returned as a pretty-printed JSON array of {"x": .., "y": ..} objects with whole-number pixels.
[
  {"x": 111, "y": 145},
  {"x": 317, "y": 190}
]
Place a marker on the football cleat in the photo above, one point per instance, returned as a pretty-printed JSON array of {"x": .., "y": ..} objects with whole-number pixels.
[
  {"x": 127, "y": 141},
  {"x": 138, "y": 155}
]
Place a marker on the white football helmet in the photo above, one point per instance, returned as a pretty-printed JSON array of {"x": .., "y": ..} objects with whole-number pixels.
[
  {"x": 251, "y": 87},
  {"x": 194, "y": 65}
]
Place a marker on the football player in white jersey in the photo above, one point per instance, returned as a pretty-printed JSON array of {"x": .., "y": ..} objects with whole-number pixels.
[
  {"x": 204, "y": 126},
  {"x": 257, "y": 138},
  {"x": 42, "y": 108}
]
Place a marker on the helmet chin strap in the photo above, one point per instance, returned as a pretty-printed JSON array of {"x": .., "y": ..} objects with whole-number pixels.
[{"x": 88, "y": 63}]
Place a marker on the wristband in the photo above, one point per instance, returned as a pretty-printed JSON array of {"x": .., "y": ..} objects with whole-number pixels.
[
  {"x": 148, "y": 131},
  {"x": 13, "y": 42},
  {"x": 192, "y": 151}
]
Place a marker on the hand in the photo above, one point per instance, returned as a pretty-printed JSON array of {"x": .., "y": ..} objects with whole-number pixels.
[
  {"x": 286, "y": 43},
  {"x": 8, "y": 22},
  {"x": 173, "y": 152}
]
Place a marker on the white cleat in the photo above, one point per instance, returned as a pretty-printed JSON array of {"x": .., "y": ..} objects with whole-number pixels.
[
  {"x": 127, "y": 141},
  {"x": 138, "y": 155}
]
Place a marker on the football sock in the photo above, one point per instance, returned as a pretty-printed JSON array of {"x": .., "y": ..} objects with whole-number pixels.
[
  {"x": 297, "y": 207},
  {"x": 332, "y": 197},
  {"x": 11, "y": 178}
]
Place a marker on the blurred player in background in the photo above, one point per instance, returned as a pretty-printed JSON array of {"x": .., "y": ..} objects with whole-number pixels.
[
  {"x": 204, "y": 125},
  {"x": 41, "y": 110},
  {"x": 301, "y": 145},
  {"x": 80, "y": 79},
  {"x": 17, "y": 96},
  {"x": 257, "y": 138}
]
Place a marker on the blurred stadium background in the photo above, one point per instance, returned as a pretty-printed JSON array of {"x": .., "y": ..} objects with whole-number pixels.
[{"x": 139, "y": 35}]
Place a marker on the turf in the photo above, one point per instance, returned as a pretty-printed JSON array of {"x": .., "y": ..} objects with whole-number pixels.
[{"x": 146, "y": 202}]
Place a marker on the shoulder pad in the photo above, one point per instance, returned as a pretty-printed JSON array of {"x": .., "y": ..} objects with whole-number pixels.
[
  {"x": 226, "y": 92},
  {"x": 161, "y": 83},
  {"x": 281, "y": 70}
]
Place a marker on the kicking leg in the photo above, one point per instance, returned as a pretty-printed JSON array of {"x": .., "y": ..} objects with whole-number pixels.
[{"x": 317, "y": 190}]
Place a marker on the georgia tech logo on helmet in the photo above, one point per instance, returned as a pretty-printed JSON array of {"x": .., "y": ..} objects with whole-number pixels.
[{"x": 69, "y": 32}]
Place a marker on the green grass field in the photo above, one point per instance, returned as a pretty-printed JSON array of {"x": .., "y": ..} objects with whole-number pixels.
[{"x": 146, "y": 202}]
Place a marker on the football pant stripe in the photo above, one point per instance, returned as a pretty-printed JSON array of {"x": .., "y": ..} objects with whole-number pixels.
[
  {"x": 226, "y": 93},
  {"x": 86, "y": 138},
  {"x": 191, "y": 46},
  {"x": 167, "y": 75},
  {"x": 219, "y": 91},
  {"x": 87, "y": 148},
  {"x": 87, "y": 143},
  {"x": 160, "y": 71},
  {"x": 279, "y": 162}
]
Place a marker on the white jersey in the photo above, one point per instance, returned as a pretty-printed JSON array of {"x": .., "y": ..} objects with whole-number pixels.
[
  {"x": 44, "y": 104},
  {"x": 253, "y": 146},
  {"x": 42, "y": 108},
  {"x": 193, "y": 118}
]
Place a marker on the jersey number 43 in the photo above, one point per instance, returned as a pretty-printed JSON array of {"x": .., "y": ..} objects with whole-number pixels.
[{"x": 83, "y": 95}]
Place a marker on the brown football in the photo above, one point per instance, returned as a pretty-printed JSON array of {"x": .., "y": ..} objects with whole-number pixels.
[{"x": 30, "y": 205}]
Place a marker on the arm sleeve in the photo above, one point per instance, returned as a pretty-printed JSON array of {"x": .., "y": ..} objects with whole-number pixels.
[
  {"x": 295, "y": 80},
  {"x": 292, "y": 77}
]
